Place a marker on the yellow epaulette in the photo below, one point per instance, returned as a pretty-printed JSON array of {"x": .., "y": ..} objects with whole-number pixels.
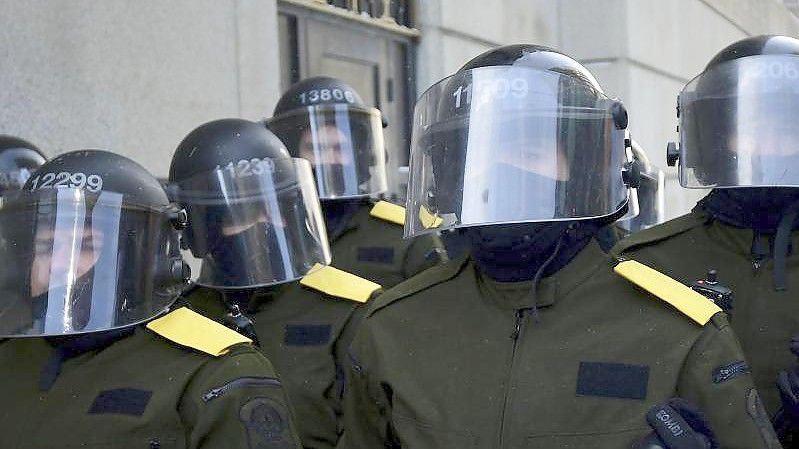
[
  {"x": 389, "y": 212},
  {"x": 192, "y": 330},
  {"x": 687, "y": 301},
  {"x": 429, "y": 220},
  {"x": 339, "y": 283}
]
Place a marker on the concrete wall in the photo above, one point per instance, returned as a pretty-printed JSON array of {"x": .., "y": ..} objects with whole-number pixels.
[
  {"x": 133, "y": 77},
  {"x": 136, "y": 76},
  {"x": 642, "y": 51},
  {"x": 454, "y": 31}
]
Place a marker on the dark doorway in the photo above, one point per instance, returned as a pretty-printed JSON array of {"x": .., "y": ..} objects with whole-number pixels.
[{"x": 373, "y": 58}]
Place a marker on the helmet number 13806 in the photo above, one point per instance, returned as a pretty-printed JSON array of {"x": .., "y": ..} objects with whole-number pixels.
[{"x": 325, "y": 95}]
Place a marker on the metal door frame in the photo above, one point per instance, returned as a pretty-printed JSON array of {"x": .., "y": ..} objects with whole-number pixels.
[{"x": 301, "y": 11}]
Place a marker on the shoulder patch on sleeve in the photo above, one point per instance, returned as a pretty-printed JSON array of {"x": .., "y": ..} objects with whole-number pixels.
[
  {"x": 339, "y": 283},
  {"x": 390, "y": 212},
  {"x": 192, "y": 330},
  {"x": 659, "y": 232},
  {"x": 687, "y": 301},
  {"x": 267, "y": 424}
]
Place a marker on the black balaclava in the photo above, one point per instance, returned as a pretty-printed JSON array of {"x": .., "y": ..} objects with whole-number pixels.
[
  {"x": 527, "y": 251},
  {"x": 230, "y": 265},
  {"x": 338, "y": 214},
  {"x": 69, "y": 346},
  {"x": 516, "y": 252},
  {"x": 765, "y": 210}
]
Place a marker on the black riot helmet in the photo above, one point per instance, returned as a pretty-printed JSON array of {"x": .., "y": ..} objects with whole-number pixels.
[
  {"x": 18, "y": 159},
  {"x": 254, "y": 217},
  {"x": 91, "y": 245},
  {"x": 325, "y": 121},
  {"x": 737, "y": 119},
  {"x": 521, "y": 133}
]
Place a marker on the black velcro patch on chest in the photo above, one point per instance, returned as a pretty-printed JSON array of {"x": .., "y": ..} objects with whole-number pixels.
[
  {"x": 307, "y": 334},
  {"x": 612, "y": 380},
  {"x": 122, "y": 401},
  {"x": 731, "y": 371},
  {"x": 376, "y": 254}
]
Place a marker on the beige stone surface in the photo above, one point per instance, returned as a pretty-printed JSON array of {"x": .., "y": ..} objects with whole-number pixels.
[
  {"x": 136, "y": 76},
  {"x": 132, "y": 76}
]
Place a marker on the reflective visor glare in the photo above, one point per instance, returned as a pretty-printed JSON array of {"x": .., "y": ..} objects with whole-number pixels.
[
  {"x": 513, "y": 144},
  {"x": 255, "y": 223},
  {"x": 79, "y": 262},
  {"x": 344, "y": 145},
  {"x": 14, "y": 180},
  {"x": 738, "y": 124}
]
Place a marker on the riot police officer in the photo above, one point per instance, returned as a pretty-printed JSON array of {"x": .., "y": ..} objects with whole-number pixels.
[
  {"x": 18, "y": 159},
  {"x": 256, "y": 223},
  {"x": 94, "y": 356},
  {"x": 533, "y": 340},
  {"x": 325, "y": 121},
  {"x": 738, "y": 136}
]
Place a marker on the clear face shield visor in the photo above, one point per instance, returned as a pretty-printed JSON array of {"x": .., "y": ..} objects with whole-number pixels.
[
  {"x": 77, "y": 262},
  {"x": 738, "y": 124},
  {"x": 513, "y": 144},
  {"x": 344, "y": 144},
  {"x": 254, "y": 223}
]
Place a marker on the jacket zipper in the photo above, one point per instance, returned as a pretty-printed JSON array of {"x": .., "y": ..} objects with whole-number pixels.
[
  {"x": 241, "y": 382},
  {"x": 517, "y": 330},
  {"x": 757, "y": 253}
]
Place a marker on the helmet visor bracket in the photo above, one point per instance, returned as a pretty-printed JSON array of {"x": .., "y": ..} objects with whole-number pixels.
[{"x": 650, "y": 196}]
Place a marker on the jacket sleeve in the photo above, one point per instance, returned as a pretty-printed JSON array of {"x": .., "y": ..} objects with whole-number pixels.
[
  {"x": 237, "y": 401},
  {"x": 366, "y": 404},
  {"x": 423, "y": 252},
  {"x": 716, "y": 378}
]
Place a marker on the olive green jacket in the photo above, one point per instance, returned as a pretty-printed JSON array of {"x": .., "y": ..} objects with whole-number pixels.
[
  {"x": 446, "y": 360},
  {"x": 142, "y": 392},
  {"x": 763, "y": 319},
  {"x": 374, "y": 249},
  {"x": 305, "y": 334}
]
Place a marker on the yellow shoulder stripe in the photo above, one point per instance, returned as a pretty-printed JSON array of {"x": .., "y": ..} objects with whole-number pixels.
[
  {"x": 188, "y": 328},
  {"x": 389, "y": 212},
  {"x": 429, "y": 220},
  {"x": 339, "y": 283},
  {"x": 687, "y": 301}
]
